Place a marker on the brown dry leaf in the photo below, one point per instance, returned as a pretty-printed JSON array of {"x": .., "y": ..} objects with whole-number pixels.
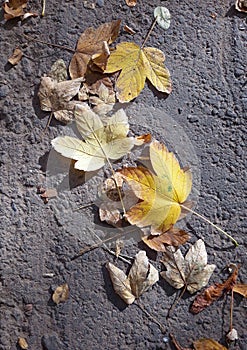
[
  {"x": 241, "y": 5},
  {"x": 16, "y": 56},
  {"x": 89, "y": 44},
  {"x": 111, "y": 207},
  {"x": 191, "y": 271},
  {"x": 105, "y": 102},
  {"x": 14, "y": 8},
  {"x": 213, "y": 293},
  {"x": 100, "y": 59},
  {"x": 131, "y": 3},
  {"x": 22, "y": 343},
  {"x": 93, "y": 81},
  {"x": 174, "y": 237},
  {"x": 55, "y": 97},
  {"x": 208, "y": 344},
  {"x": 240, "y": 289},
  {"x": 141, "y": 277},
  {"x": 61, "y": 294}
]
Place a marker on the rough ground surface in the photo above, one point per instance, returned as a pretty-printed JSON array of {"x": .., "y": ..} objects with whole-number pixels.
[{"x": 207, "y": 60}]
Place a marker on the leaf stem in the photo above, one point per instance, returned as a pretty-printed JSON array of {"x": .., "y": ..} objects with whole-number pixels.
[
  {"x": 176, "y": 301},
  {"x": 149, "y": 32},
  {"x": 49, "y": 44},
  {"x": 211, "y": 223},
  {"x": 154, "y": 319},
  {"x": 231, "y": 312}
]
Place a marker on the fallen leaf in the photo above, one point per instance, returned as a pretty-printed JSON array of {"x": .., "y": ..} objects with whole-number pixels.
[
  {"x": 89, "y": 44},
  {"x": 174, "y": 237},
  {"x": 61, "y": 294},
  {"x": 213, "y": 293},
  {"x": 58, "y": 71},
  {"x": 131, "y": 3},
  {"x": 137, "y": 65},
  {"x": 191, "y": 271},
  {"x": 241, "y": 5},
  {"x": 141, "y": 277},
  {"x": 110, "y": 210},
  {"x": 163, "y": 17},
  {"x": 22, "y": 343},
  {"x": 121, "y": 283},
  {"x": 14, "y": 8},
  {"x": 240, "y": 289},
  {"x": 101, "y": 142},
  {"x": 55, "y": 97},
  {"x": 161, "y": 194},
  {"x": 100, "y": 59},
  {"x": 207, "y": 344},
  {"x": 93, "y": 81},
  {"x": 104, "y": 102},
  {"x": 15, "y": 57},
  {"x": 145, "y": 138}
]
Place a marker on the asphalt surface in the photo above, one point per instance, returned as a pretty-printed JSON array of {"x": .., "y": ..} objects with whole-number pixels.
[{"x": 205, "y": 49}]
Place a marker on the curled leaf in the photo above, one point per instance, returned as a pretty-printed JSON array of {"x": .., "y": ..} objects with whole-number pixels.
[
  {"x": 213, "y": 293},
  {"x": 61, "y": 294},
  {"x": 241, "y": 5},
  {"x": 191, "y": 271},
  {"x": 163, "y": 17}
]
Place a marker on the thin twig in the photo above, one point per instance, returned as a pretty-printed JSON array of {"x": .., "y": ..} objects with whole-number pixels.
[
  {"x": 149, "y": 32},
  {"x": 154, "y": 319},
  {"x": 84, "y": 206},
  {"x": 209, "y": 222},
  {"x": 176, "y": 302},
  {"x": 50, "y": 44},
  {"x": 47, "y": 125}
]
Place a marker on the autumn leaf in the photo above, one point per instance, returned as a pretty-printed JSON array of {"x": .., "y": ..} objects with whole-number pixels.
[
  {"x": 137, "y": 64},
  {"x": 141, "y": 277},
  {"x": 61, "y": 294},
  {"x": 240, "y": 289},
  {"x": 15, "y": 57},
  {"x": 55, "y": 97},
  {"x": 14, "y": 8},
  {"x": 104, "y": 102},
  {"x": 160, "y": 194},
  {"x": 213, "y": 293},
  {"x": 91, "y": 43},
  {"x": 174, "y": 237},
  {"x": 101, "y": 142},
  {"x": 191, "y": 271},
  {"x": 58, "y": 71},
  {"x": 208, "y": 344}
]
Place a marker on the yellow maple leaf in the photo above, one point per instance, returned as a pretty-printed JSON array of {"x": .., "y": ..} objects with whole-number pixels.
[
  {"x": 161, "y": 194},
  {"x": 137, "y": 64}
]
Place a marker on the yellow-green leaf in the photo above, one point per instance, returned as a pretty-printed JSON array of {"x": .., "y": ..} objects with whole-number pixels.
[{"x": 137, "y": 64}]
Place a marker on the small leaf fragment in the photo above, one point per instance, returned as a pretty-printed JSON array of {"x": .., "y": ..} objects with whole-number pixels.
[
  {"x": 240, "y": 289},
  {"x": 22, "y": 343},
  {"x": 163, "y": 17},
  {"x": 58, "y": 71},
  {"x": 241, "y": 5},
  {"x": 232, "y": 335},
  {"x": 208, "y": 344},
  {"x": 121, "y": 283},
  {"x": 61, "y": 294},
  {"x": 15, "y": 57},
  {"x": 131, "y": 3}
]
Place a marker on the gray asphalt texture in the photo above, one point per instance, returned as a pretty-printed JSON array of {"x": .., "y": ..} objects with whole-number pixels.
[{"x": 205, "y": 49}]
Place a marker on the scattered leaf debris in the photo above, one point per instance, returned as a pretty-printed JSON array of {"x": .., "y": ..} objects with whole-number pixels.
[
  {"x": 61, "y": 294},
  {"x": 15, "y": 57}
]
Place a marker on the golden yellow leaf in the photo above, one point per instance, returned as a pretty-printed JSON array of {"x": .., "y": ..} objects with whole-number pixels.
[
  {"x": 91, "y": 44},
  {"x": 240, "y": 289},
  {"x": 61, "y": 293},
  {"x": 208, "y": 344},
  {"x": 137, "y": 64},
  {"x": 161, "y": 194}
]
